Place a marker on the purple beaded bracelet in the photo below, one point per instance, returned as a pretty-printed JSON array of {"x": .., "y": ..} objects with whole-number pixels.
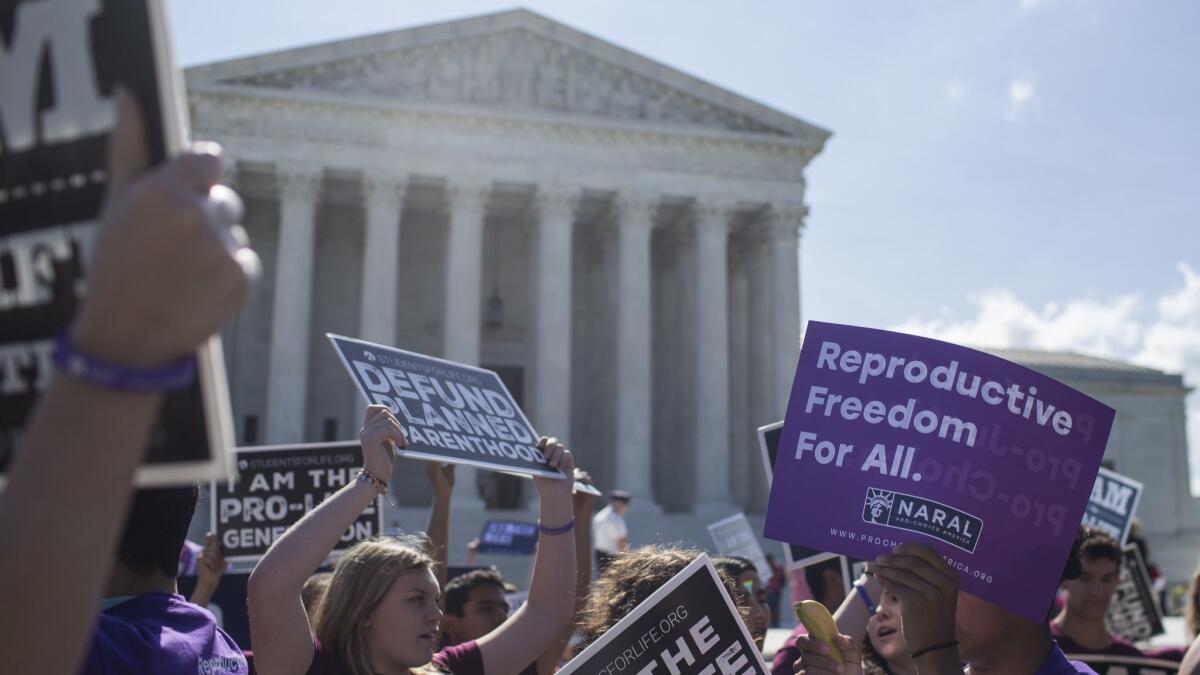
[
  {"x": 84, "y": 368},
  {"x": 557, "y": 530}
]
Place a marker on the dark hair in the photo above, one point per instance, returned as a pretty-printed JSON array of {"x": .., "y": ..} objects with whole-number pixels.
[
  {"x": 815, "y": 575},
  {"x": 156, "y": 527},
  {"x": 1097, "y": 545},
  {"x": 734, "y": 566},
  {"x": 458, "y": 589}
]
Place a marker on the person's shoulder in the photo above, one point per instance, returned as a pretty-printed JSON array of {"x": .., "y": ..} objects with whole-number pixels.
[{"x": 460, "y": 659}]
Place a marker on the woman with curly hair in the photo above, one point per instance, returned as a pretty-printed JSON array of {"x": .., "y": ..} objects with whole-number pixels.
[{"x": 632, "y": 577}]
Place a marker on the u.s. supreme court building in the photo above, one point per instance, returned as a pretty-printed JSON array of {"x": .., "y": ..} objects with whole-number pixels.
[{"x": 616, "y": 238}]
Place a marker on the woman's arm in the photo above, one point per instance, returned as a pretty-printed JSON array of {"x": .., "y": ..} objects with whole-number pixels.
[
  {"x": 584, "y": 503},
  {"x": 517, "y": 643},
  {"x": 278, "y": 624},
  {"x": 441, "y": 478}
]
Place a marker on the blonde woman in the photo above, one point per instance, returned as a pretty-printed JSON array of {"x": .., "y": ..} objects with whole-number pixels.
[{"x": 380, "y": 615}]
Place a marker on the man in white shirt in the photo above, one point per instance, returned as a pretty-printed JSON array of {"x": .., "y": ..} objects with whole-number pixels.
[{"x": 609, "y": 528}]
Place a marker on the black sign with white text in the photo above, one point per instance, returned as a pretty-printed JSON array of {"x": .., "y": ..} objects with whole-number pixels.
[
  {"x": 1134, "y": 613},
  {"x": 689, "y": 626},
  {"x": 451, "y": 412},
  {"x": 60, "y": 65},
  {"x": 1113, "y": 504},
  {"x": 279, "y": 484}
]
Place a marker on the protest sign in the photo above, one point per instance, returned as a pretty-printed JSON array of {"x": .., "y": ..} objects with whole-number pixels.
[
  {"x": 1108, "y": 664},
  {"x": 451, "y": 412},
  {"x": 278, "y": 484},
  {"x": 1134, "y": 613},
  {"x": 1113, "y": 504},
  {"x": 768, "y": 444},
  {"x": 734, "y": 537},
  {"x": 689, "y": 626},
  {"x": 508, "y": 537},
  {"x": 893, "y": 438},
  {"x": 62, "y": 62}
]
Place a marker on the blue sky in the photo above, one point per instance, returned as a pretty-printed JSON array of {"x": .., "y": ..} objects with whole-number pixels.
[{"x": 1015, "y": 172}]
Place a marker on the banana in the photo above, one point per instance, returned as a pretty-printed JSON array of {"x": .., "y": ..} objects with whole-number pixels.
[{"x": 819, "y": 623}]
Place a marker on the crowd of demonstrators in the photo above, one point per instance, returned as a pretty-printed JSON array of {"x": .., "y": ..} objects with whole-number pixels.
[
  {"x": 608, "y": 526},
  {"x": 1081, "y": 628},
  {"x": 387, "y": 607}
]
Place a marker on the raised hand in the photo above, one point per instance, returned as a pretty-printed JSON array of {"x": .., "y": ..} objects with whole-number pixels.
[
  {"x": 559, "y": 457},
  {"x": 927, "y": 588},
  {"x": 441, "y": 478},
  {"x": 173, "y": 225},
  {"x": 380, "y": 435}
]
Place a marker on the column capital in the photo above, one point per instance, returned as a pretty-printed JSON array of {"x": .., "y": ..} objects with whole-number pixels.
[
  {"x": 786, "y": 219},
  {"x": 554, "y": 201},
  {"x": 636, "y": 208},
  {"x": 298, "y": 181},
  {"x": 468, "y": 193},
  {"x": 376, "y": 182},
  {"x": 714, "y": 215}
]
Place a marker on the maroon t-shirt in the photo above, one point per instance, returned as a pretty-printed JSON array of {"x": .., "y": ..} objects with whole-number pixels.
[
  {"x": 1119, "y": 647},
  {"x": 460, "y": 659}
]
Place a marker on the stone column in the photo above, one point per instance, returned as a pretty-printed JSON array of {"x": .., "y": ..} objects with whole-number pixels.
[
  {"x": 712, "y": 354},
  {"x": 552, "y": 384},
  {"x": 785, "y": 223},
  {"x": 383, "y": 194},
  {"x": 466, "y": 204},
  {"x": 635, "y": 220},
  {"x": 287, "y": 374}
]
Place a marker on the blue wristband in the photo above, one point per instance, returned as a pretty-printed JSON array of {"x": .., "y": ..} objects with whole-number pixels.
[
  {"x": 866, "y": 598},
  {"x": 84, "y": 368},
  {"x": 557, "y": 530}
]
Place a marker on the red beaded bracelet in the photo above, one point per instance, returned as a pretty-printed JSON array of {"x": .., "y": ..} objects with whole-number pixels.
[{"x": 379, "y": 484}]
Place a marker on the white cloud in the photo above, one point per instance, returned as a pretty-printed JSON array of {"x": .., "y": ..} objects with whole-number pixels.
[
  {"x": 1026, "y": 5},
  {"x": 1020, "y": 92},
  {"x": 956, "y": 90},
  {"x": 1104, "y": 328},
  {"x": 1169, "y": 340}
]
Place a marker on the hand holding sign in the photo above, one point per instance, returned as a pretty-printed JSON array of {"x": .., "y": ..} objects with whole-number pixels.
[
  {"x": 148, "y": 222},
  {"x": 380, "y": 436},
  {"x": 928, "y": 591},
  {"x": 560, "y": 458}
]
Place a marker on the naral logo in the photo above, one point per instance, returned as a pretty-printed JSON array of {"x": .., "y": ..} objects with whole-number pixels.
[{"x": 917, "y": 514}]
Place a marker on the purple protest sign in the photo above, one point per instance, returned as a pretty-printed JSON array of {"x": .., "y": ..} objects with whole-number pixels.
[{"x": 893, "y": 438}]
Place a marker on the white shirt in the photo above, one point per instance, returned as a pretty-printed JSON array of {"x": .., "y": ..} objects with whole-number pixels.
[{"x": 608, "y": 527}]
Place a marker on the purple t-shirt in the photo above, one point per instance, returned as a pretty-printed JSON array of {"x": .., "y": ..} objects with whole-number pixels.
[
  {"x": 161, "y": 633},
  {"x": 1056, "y": 663}
]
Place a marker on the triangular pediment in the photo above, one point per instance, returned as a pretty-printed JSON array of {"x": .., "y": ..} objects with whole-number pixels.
[{"x": 514, "y": 60}]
